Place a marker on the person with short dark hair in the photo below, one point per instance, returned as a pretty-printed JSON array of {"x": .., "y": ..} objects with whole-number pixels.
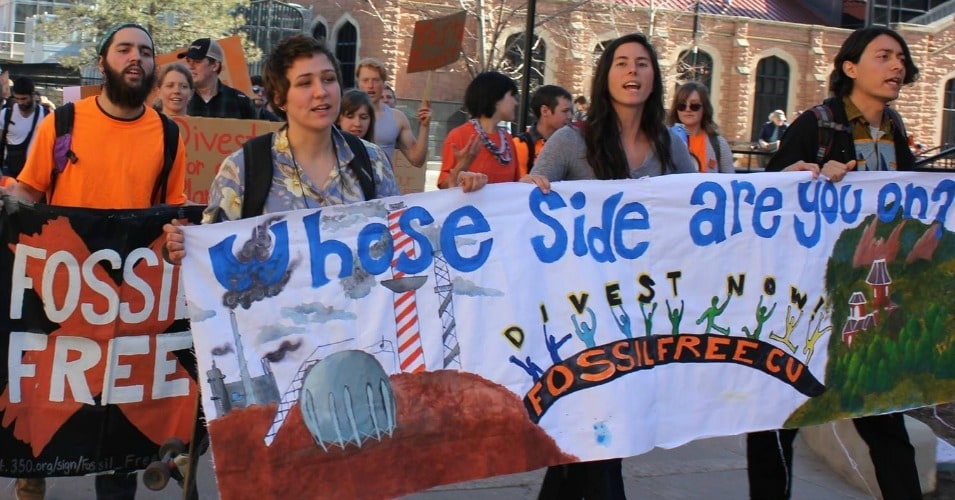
[
  {"x": 552, "y": 110},
  {"x": 388, "y": 96},
  {"x": 870, "y": 69},
  {"x": 262, "y": 111},
  {"x": 19, "y": 124},
  {"x": 213, "y": 98},
  {"x": 310, "y": 156},
  {"x": 580, "y": 108},
  {"x": 479, "y": 145}
]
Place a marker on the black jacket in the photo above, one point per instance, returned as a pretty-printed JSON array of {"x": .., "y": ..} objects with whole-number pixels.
[
  {"x": 801, "y": 141},
  {"x": 227, "y": 103}
]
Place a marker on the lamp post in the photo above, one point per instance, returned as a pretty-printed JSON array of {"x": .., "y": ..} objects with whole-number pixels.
[{"x": 528, "y": 62}]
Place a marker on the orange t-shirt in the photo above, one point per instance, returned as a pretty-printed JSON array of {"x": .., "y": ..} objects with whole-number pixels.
[
  {"x": 484, "y": 162},
  {"x": 697, "y": 147},
  {"x": 118, "y": 161}
]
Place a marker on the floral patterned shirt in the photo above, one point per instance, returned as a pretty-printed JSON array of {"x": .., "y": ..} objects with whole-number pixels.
[{"x": 291, "y": 188}]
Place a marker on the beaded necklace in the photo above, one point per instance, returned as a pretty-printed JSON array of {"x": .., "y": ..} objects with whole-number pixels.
[{"x": 502, "y": 154}]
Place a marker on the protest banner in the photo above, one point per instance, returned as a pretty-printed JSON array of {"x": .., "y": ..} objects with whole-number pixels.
[
  {"x": 98, "y": 369},
  {"x": 373, "y": 350},
  {"x": 208, "y": 141}
]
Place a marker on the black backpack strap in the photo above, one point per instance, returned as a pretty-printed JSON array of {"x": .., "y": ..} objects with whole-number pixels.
[
  {"x": 170, "y": 144},
  {"x": 905, "y": 159},
  {"x": 63, "y": 125},
  {"x": 257, "y": 157},
  {"x": 827, "y": 128},
  {"x": 531, "y": 150},
  {"x": 36, "y": 118},
  {"x": 715, "y": 142},
  {"x": 7, "y": 118},
  {"x": 361, "y": 166}
]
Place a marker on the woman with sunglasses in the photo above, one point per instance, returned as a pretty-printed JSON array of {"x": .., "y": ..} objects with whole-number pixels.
[
  {"x": 623, "y": 137},
  {"x": 691, "y": 116}
]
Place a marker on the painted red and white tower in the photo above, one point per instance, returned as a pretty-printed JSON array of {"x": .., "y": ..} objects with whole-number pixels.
[
  {"x": 880, "y": 280},
  {"x": 410, "y": 352}
]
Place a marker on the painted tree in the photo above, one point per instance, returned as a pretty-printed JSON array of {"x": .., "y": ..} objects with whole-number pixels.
[{"x": 172, "y": 23}]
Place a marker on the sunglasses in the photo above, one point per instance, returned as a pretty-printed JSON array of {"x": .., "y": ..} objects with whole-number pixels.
[
  {"x": 256, "y": 89},
  {"x": 693, "y": 107}
]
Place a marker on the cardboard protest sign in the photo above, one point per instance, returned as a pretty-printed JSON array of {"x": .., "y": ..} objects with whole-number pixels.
[
  {"x": 436, "y": 42},
  {"x": 97, "y": 367},
  {"x": 208, "y": 141},
  {"x": 410, "y": 178},
  {"x": 506, "y": 330}
]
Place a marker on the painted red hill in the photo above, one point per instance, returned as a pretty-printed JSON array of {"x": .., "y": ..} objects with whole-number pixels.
[{"x": 452, "y": 426}]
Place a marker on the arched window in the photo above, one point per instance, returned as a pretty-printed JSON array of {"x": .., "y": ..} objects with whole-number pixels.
[
  {"x": 772, "y": 90},
  {"x": 514, "y": 55},
  {"x": 599, "y": 50},
  {"x": 695, "y": 66},
  {"x": 948, "y": 114},
  {"x": 320, "y": 32},
  {"x": 346, "y": 50}
]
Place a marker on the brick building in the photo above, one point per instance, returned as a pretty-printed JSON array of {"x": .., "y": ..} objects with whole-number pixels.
[{"x": 756, "y": 55}]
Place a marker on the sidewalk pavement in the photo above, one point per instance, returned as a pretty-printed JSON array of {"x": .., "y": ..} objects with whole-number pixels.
[{"x": 714, "y": 468}]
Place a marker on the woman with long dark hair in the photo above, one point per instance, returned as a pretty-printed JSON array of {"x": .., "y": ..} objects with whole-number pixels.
[{"x": 624, "y": 136}]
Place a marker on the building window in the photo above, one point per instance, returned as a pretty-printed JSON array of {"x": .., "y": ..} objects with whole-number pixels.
[
  {"x": 514, "y": 56},
  {"x": 772, "y": 90},
  {"x": 885, "y": 12},
  {"x": 268, "y": 22},
  {"x": 346, "y": 50},
  {"x": 695, "y": 66},
  {"x": 599, "y": 50},
  {"x": 948, "y": 114},
  {"x": 320, "y": 32}
]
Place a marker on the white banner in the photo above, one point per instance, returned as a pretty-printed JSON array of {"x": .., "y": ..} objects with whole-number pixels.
[{"x": 601, "y": 320}]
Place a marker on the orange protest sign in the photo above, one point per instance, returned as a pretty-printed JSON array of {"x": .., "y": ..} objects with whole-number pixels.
[
  {"x": 208, "y": 141},
  {"x": 436, "y": 42}
]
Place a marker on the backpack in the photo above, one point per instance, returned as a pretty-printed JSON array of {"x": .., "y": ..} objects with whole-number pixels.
[
  {"x": 828, "y": 127},
  {"x": 257, "y": 153},
  {"x": 13, "y": 156},
  {"x": 63, "y": 154},
  {"x": 530, "y": 141}
]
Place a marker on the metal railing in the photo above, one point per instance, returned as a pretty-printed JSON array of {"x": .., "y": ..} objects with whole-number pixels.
[
  {"x": 942, "y": 160},
  {"x": 747, "y": 158}
]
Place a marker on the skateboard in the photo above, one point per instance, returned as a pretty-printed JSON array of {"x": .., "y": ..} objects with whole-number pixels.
[{"x": 177, "y": 461}]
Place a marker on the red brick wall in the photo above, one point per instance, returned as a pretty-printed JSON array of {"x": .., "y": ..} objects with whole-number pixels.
[{"x": 736, "y": 45}]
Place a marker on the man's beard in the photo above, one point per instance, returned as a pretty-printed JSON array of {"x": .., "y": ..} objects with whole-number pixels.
[
  {"x": 122, "y": 94},
  {"x": 28, "y": 107}
]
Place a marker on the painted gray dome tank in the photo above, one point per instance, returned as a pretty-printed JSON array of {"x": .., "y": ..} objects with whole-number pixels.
[{"x": 347, "y": 399}]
